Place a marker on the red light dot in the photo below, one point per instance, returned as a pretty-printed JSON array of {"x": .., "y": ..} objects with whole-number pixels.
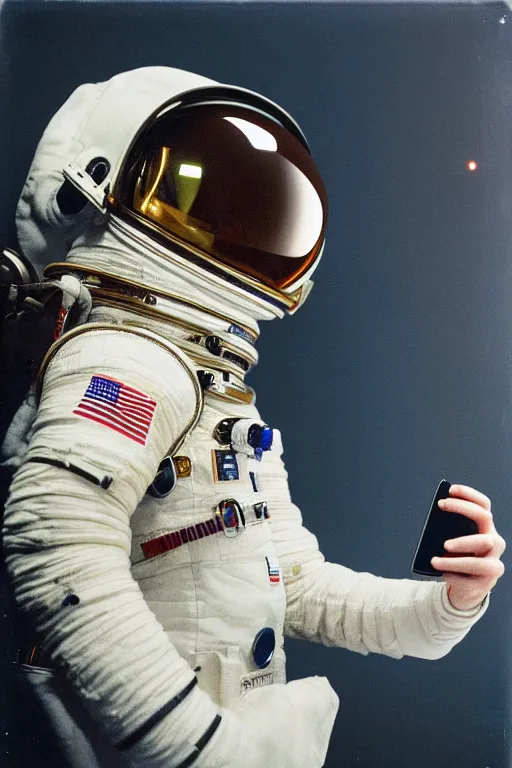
[{"x": 472, "y": 165}]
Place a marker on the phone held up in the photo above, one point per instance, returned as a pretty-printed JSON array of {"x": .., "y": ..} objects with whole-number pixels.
[{"x": 439, "y": 527}]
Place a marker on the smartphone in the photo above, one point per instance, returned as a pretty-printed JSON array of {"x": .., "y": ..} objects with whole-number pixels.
[{"x": 439, "y": 526}]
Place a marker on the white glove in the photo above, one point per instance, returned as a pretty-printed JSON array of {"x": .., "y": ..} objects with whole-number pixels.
[
  {"x": 287, "y": 726},
  {"x": 279, "y": 726}
]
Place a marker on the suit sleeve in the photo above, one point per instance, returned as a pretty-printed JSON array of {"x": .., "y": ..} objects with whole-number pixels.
[
  {"x": 113, "y": 403},
  {"x": 336, "y": 606}
]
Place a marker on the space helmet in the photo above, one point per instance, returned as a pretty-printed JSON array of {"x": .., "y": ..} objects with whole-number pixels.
[{"x": 216, "y": 174}]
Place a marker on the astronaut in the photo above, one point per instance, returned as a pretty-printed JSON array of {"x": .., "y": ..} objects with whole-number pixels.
[{"x": 149, "y": 532}]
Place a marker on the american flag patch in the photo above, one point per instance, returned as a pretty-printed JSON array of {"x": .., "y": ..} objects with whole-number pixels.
[
  {"x": 274, "y": 572},
  {"x": 115, "y": 405}
]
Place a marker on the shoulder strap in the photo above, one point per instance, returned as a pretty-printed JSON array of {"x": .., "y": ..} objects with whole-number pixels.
[{"x": 171, "y": 348}]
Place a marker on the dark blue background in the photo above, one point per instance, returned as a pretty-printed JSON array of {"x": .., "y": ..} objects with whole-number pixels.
[{"x": 397, "y": 372}]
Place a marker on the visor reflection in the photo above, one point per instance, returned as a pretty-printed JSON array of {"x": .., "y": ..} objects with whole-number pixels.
[{"x": 234, "y": 184}]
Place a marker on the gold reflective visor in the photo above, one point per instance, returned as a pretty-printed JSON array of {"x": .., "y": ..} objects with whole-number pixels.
[{"x": 232, "y": 184}]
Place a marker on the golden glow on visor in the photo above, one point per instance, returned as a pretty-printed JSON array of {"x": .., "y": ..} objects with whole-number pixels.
[{"x": 232, "y": 183}]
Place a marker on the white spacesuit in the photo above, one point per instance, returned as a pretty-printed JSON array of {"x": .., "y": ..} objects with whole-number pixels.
[{"x": 149, "y": 532}]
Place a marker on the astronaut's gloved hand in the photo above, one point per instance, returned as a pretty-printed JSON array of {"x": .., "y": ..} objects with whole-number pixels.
[{"x": 279, "y": 726}]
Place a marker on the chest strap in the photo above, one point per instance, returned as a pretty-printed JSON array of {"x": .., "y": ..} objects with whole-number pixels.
[
  {"x": 229, "y": 519},
  {"x": 175, "y": 539}
]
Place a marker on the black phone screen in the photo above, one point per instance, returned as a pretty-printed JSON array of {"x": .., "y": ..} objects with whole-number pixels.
[{"x": 439, "y": 526}]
